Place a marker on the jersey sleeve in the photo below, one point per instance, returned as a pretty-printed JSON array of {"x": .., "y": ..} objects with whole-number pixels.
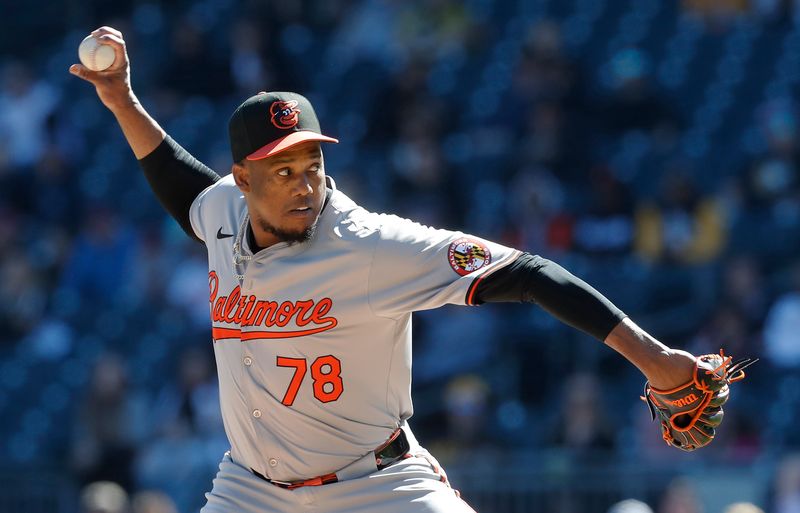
[
  {"x": 176, "y": 178},
  {"x": 415, "y": 267},
  {"x": 213, "y": 207}
]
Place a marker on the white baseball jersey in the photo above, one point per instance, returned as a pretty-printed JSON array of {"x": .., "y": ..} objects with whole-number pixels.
[{"x": 313, "y": 340}]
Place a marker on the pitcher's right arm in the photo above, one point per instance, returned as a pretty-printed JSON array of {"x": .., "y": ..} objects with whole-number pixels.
[{"x": 175, "y": 176}]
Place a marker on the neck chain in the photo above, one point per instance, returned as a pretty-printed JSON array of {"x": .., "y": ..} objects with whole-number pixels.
[{"x": 240, "y": 260}]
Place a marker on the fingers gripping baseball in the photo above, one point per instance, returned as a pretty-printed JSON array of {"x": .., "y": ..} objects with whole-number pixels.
[{"x": 113, "y": 83}]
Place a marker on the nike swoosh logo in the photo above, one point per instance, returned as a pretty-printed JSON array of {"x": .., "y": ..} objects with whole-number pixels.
[{"x": 221, "y": 235}]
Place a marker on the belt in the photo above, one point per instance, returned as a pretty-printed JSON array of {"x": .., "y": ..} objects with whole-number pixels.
[{"x": 394, "y": 449}]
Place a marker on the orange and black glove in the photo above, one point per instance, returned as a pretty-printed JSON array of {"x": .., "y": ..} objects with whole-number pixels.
[{"x": 690, "y": 413}]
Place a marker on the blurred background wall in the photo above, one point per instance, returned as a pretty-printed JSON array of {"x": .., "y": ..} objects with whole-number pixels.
[{"x": 651, "y": 147}]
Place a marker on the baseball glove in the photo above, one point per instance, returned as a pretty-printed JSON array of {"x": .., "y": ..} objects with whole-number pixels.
[{"x": 690, "y": 413}]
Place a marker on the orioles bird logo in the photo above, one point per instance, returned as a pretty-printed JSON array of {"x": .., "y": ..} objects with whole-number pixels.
[{"x": 285, "y": 115}]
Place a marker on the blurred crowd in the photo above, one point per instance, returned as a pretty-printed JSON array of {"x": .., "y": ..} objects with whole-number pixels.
[{"x": 658, "y": 163}]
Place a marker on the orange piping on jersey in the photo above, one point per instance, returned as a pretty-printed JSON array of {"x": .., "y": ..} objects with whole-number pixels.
[
  {"x": 225, "y": 333},
  {"x": 253, "y": 335},
  {"x": 228, "y": 333},
  {"x": 473, "y": 288},
  {"x": 474, "y": 285}
]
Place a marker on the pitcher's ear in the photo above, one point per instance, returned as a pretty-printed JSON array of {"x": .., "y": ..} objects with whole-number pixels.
[{"x": 241, "y": 175}]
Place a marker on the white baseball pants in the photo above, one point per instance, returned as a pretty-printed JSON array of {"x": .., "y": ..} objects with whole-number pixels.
[{"x": 413, "y": 485}]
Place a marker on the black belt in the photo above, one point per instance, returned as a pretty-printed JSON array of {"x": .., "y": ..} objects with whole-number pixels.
[{"x": 391, "y": 451}]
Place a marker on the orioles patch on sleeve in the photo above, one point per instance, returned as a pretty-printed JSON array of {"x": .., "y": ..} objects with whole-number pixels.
[{"x": 467, "y": 255}]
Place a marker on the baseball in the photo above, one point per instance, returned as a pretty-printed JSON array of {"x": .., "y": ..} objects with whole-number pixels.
[{"x": 94, "y": 55}]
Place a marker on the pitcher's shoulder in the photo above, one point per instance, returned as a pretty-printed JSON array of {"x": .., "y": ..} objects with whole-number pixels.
[
  {"x": 224, "y": 188},
  {"x": 223, "y": 194},
  {"x": 352, "y": 221},
  {"x": 220, "y": 201}
]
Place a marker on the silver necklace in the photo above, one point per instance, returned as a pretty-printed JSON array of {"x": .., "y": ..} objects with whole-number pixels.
[{"x": 240, "y": 260}]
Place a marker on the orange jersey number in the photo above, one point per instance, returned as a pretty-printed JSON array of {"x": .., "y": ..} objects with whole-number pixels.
[{"x": 325, "y": 371}]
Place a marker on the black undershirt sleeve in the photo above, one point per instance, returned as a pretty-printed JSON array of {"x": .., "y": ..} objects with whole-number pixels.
[
  {"x": 533, "y": 279},
  {"x": 176, "y": 178}
]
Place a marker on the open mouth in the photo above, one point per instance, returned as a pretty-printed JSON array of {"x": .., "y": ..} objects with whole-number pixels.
[{"x": 300, "y": 211}]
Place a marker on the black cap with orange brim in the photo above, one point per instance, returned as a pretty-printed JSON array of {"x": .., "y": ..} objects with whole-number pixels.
[{"x": 269, "y": 123}]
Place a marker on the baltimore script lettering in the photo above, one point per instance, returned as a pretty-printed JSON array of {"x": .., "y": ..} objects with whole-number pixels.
[{"x": 251, "y": 311}]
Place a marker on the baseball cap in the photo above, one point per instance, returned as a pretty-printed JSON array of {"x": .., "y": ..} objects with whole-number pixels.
[{"x": 269, "y": 123}]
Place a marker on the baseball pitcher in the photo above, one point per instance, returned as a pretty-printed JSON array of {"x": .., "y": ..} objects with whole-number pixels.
[{"x": 311, "y": 295}]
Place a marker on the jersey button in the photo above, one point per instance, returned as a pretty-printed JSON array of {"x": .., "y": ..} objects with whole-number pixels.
[
  {"x": 273, "y": 462},
  {"x": 257, "y": 414},
  {"x": 248, "y": 361}
]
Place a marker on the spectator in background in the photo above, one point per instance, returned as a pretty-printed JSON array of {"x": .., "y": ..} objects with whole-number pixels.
[
  {"x": 419, "y": 172},
  {"x": 187, "y": 288},
  {"x": 786, "y": 498},
  {"x": 772, "y": 11},
  {"x": 250, "y": 68},
  {"x": 152, "y": 502},
  {"x": 52, "y": 195},
  {"x": 632, "y": 102},
  {"x": 26, "y": 103},
  {"x": 101, "y": 258},
  {"x": 188, "y": 436},
  {"x": 193, "y": 61},
  {"x": 466, "y": 413},
  {"x": 743, "y": 507},
  {"x": 544, "y": 141},
  {"x": 683, "y": 227},
  {"x": 440, "y": 356},
  {"x": 544, "y": 72},
  {"x": 466, "y": 401},
  {"x": 10, "y": 236},
  {"x": 775, "y": 170},
  {"x": 725, "y": 327},
  {"x": 152, "y": 266},
  {"x": 545, "y": 89},
  {"x": 768, "y": 223},
  {"x": 417, "y": 160},
  {"x": 581, "y": 425},
  {"x": 537, "y": 195},
  {"x": 189, "y": 407},
  {"x": 718, "y": 15},
  {"x": 406, "y": 87},
  {"x": 607, "y": 229},
  {"x": 782, "y": 326},
  {"x": 771, "y": 187},
  {"x": 771, "y": 181},
  {"x": 111, "y": 422},
  {"x": 680, "y": 497},
  {"x": 630, "y": 506},
  {"x": 104, "y": 497},
  {"x": 744, "y": 289},
  {"x": 436, "y": 28},
  {"x": 365, "y": 35},
  {"x": 22, "y": 295}
]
